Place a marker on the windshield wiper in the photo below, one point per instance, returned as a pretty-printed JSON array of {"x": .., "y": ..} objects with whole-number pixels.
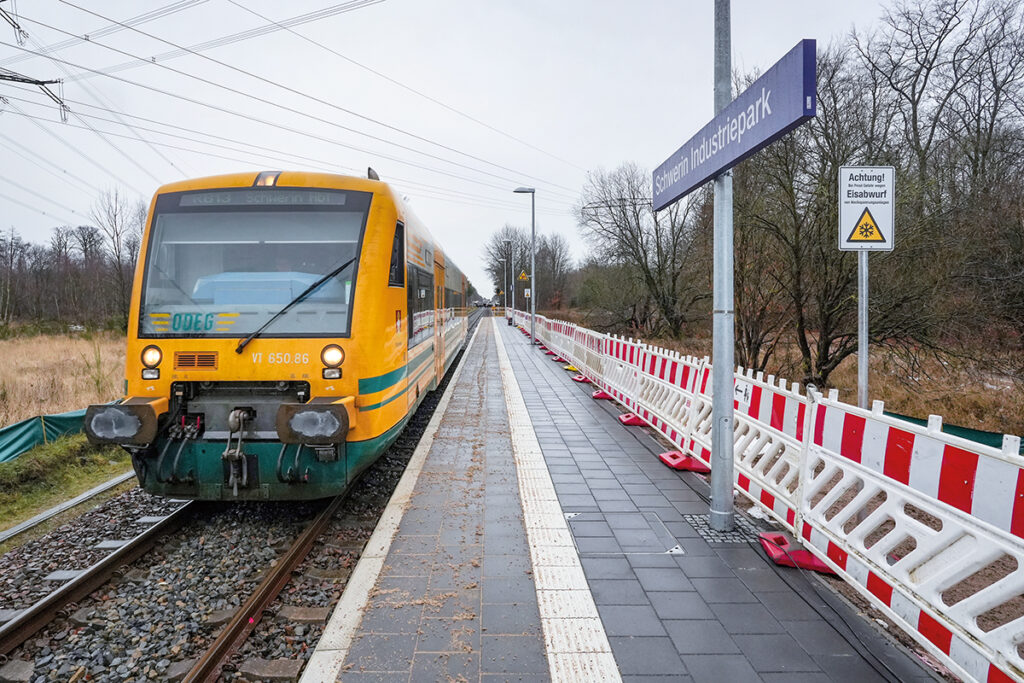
[{"x": 309, "y": 290}]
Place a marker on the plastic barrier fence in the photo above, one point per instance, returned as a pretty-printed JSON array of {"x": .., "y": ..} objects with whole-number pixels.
[
  {"x": 926, "y": 525},
  {"x": 23, "y": 436}
]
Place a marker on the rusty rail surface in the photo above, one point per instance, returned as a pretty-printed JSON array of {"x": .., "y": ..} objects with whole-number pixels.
[{"x": 208, "y": 667}]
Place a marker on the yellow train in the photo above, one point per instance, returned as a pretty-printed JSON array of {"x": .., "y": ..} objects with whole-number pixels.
[{"x": 284, "y": 327}]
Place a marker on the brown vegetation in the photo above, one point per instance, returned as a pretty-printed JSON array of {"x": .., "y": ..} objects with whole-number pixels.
[{"x": 44, "y": 374}]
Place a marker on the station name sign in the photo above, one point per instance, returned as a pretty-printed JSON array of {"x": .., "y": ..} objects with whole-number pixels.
[{"x": 776, "y": 103}]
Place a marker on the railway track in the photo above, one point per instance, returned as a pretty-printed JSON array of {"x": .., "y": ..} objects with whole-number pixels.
[
  {"x": 29, "y": 621},
  {"x": 136, "y": 623}
]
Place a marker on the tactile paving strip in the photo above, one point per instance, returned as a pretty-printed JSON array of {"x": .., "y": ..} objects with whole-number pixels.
[{"x": 743, "y": 532}]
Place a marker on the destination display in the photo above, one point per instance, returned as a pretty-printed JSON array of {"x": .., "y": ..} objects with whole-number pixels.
[
  {"x": 269, "y": 197},
  {"x": 776, "y": 103}
]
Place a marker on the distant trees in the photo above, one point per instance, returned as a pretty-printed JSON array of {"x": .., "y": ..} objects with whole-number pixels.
[
  {"x": 82, "y": 275},
  {"x": 507, "y": 254}
]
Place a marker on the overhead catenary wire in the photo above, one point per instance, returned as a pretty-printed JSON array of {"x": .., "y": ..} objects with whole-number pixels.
[
  {"x": 310, "y": 97},
  {"x": 458, "y": 198},
  {"x": 53, "y": 169},
  {"x": 279, "y": 155},
  {"x": 406, "y": 87},
  {"x": 151, "y": 15},
  {"x": 77, "y": 151},
  {"x": 35, "y": 209},
  {"x": 277, "y": 126}
]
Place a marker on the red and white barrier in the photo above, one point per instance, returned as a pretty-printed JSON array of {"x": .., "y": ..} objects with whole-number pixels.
[{"x": 927, "y": 526}]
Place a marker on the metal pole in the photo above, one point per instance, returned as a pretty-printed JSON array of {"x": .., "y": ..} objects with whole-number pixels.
[
  {"x": 533, "y": 269},
  {"x": 721, "y": 517},
  {"x": 504, "y": 282},
  {"x": 862, "y": 329},
  {"x": 512, "y": 271}
]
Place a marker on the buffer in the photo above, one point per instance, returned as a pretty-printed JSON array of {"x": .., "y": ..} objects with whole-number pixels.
[{"x": 866, "y": 230}]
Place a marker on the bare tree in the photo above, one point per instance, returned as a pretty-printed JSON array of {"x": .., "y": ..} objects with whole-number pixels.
[
  {"x": 616, "y": 214},
  {"x": 118, "y": 220}
]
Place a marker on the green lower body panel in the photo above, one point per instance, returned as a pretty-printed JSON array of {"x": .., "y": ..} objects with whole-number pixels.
[{"x": 199, "y": 472}]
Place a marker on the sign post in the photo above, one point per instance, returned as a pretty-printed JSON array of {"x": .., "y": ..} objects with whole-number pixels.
[
  {"x": 866, "y": 223},
  {"x": 776, "y": 103}
]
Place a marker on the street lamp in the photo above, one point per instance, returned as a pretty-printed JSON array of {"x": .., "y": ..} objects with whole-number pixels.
[{"x": 533, "y": 263}]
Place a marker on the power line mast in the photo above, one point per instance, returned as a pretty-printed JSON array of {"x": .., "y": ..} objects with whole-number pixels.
[
  {"x": 58, "y": 98},
  {"x": 7, "y": 75},
  {"x": 12, "y": 18}
]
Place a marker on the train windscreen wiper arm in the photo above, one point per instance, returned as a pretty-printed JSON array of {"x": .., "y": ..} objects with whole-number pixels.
[{"x": 306, "y": 292}]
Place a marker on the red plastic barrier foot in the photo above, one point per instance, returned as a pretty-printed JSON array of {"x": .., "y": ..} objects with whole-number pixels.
[
  {"x": 602, "y": 395},
  {"x": 785, "y": 554},
  {"x": 558, "y": 359},
  {"x": 582, "y": 379},
  {"x": 631, "y": 420},
  {"x": 687, "y": 463}
]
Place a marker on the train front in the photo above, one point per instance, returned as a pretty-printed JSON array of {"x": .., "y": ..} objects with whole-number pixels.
[{"x": 241, "y": 322}]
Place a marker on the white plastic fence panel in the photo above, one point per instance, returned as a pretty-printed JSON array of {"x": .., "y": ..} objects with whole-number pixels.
[{"x": 927, "y": 526}]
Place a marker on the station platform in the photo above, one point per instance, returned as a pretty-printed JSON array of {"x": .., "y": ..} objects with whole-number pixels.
[{"x": 534, "y": 537}]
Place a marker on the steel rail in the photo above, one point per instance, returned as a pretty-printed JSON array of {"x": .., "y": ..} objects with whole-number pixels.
[
  {"x": 8, "y": 534},
  {"x": 29, "y": 621},
  {"x": 208, "y": 667}
]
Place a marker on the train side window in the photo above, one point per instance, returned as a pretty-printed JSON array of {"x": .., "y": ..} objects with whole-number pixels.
[{"x": 396, "y": 273}]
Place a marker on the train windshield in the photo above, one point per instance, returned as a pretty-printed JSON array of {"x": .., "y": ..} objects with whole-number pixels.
[{"x": 221, "y": 263}]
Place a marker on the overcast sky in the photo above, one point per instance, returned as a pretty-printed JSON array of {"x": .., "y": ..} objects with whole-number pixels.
[{"x": 510, "y": 93}]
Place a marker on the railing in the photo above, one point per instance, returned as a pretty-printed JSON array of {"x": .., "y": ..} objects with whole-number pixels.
[{"x": 927, "y": 526}]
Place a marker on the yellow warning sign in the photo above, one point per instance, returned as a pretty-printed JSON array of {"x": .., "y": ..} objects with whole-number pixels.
[
  {"x": 866, "y": 229},
  {"x": 522, "y": 276}
]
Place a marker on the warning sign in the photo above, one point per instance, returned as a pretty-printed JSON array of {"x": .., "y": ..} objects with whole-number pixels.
[
  {"x": 522, "y": 276},
  {"x": 866, "y": 207},
  {"x": 866, "y": 229}
]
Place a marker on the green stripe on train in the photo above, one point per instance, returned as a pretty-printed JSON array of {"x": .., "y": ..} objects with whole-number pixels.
[{"x": 371, "y": 385}]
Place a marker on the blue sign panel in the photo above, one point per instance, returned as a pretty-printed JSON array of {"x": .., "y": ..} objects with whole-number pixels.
[{"x": 776, "y": 103}]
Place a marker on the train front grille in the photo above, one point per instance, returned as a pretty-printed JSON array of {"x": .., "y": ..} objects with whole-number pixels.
[{"x": 195, "y": 360}]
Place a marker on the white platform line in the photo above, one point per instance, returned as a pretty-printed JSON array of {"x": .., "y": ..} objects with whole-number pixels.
[
  {"x": 574, "y": 636},
  {"x": 327, "y": 659}
]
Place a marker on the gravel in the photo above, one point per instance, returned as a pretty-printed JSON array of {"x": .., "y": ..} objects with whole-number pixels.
[{"x": 71, "y": 546}]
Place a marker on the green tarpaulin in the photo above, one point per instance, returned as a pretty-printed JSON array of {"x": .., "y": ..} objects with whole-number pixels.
[
  {"x": 25, "y": 435},
  {"x": 994, "y": 439}
]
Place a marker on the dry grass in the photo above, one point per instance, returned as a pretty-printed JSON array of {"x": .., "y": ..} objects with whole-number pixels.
[{"x": 46, "y": 374}]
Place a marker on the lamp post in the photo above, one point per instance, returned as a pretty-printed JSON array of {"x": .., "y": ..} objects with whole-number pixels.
[{"x": 533, "y": 259}]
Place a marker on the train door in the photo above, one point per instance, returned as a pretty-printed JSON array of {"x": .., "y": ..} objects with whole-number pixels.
[{"x": 439, "y": 306}]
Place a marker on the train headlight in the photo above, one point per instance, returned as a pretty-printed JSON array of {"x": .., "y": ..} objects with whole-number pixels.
[
  {"x": 332, "y": 373},
  {"x": 151, "y": 356},
  {"x": 151, "y": 373},
  {"x": 332, "y": 355}
]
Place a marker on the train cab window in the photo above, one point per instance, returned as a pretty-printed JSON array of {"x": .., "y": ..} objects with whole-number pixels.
[{"x": 396, "y": 275}]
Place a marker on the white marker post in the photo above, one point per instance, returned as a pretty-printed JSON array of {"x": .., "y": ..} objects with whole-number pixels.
[{"x": 866, "y": 223}]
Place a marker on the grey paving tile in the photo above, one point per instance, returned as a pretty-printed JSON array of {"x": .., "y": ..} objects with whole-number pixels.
[
  {"x": 585, "y": 528},
  {"x": 617, "y": 592},
  {"x": 744, "y": 617},
  {"x": 606, "y": 568},
  {"x": 397, "y": 618},
  {"x": 650, "y": 656},
  {"x": 444, "y": 635},
  {"x": 762, "y": 580},
  {"x": 695, "y": 546},
  {"x": 663, "y": 579},
  {"x": 745, "y": 557},
  {"x": 512, "y": 654},
  {"x": 578, "y": 503},
  {"x": 371, "y": 676},
  {"x": 800, "y": 677},
  {"x": 720, "y": 669},
  {"x": 617, "y": 506},
  {"x": 778, "y": 652},
  {"x": 630, "y": 620},
  {"x": 651, "y": 560},
  {"x": 446, "y": 666},
  {"x": 502, "y": 565},
  {"x": 706, "y": 566},
  {"x": 391, "y": 652},
  {"x": 598, "y": 545},
  {"x": 818, "y": 638},
  {"x": 679, "y": 605},
  {"x": 723, "y": 590},
  {"x": 501, "y": 590},
  {"x": 610, "y": 494},
  {"x": 507, "y": 619},
  {"x": 699, "y": 636},
  {"x": 787, "y": 606}
]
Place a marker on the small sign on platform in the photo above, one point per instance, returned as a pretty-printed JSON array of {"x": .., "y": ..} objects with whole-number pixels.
[{"x": 866, "y": 208}]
